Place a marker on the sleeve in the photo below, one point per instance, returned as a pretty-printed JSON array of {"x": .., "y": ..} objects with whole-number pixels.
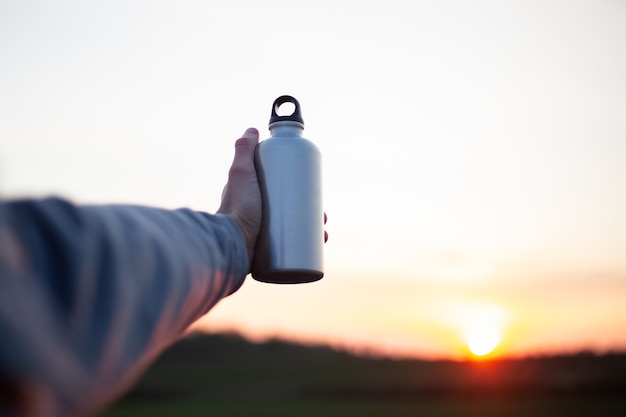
[{"x": 90, "y": 295}]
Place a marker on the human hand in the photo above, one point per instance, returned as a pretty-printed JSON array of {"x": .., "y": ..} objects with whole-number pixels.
[{"x": 241, "y": 198}]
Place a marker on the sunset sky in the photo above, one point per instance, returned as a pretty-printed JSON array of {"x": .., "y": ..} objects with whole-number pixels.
[{"x": 474, "y": 152}]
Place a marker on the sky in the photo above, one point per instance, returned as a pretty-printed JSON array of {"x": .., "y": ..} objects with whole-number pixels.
[{"x": 474, "y": 153}]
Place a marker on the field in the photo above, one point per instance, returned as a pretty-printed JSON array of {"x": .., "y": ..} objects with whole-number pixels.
[{"x": 225, "y": 375}]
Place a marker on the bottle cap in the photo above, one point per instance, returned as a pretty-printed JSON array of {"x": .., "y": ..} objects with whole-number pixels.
[{"x": 296, "y": 116}]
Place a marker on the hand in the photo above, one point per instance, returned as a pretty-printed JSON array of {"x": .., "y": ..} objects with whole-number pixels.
[{"x": 241, "y": 198}]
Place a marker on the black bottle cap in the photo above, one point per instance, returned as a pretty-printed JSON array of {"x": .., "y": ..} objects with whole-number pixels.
[{"x": 296, "y": 116}]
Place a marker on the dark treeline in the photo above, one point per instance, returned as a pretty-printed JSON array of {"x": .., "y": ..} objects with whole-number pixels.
[{"x": 229, "y": 366}]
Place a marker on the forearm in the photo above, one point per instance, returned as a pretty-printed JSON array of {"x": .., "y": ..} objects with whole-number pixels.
[{"x": 113, "y": 286}]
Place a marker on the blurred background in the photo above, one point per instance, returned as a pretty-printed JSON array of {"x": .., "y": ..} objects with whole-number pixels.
[{"x": 474, "y": 154}]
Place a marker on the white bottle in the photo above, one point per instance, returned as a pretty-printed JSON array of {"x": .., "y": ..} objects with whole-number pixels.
[{"x": 290, "y": 245}]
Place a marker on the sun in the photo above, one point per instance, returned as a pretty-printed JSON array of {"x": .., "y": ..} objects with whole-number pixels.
[{"x": 481, "y": 341}]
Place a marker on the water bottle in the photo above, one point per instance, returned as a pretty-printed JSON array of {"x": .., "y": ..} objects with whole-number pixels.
[{"x": 289, "y": 249}]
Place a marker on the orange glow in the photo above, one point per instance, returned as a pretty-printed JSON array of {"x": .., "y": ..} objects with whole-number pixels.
[
  {"x": 482, "y": 340},
  {"x": 478, "y": 325}
]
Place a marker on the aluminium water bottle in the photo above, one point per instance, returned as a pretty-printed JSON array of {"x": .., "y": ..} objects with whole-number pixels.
[{"x": 289, "y": 249}]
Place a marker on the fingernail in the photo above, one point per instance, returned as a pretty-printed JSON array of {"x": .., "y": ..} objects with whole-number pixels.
[{"x": 251, "y": 132}]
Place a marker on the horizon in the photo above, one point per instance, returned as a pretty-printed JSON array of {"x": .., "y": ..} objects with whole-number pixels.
[
  {"x": 473, "y": 153},
  {"x": 370, "y": 352}
]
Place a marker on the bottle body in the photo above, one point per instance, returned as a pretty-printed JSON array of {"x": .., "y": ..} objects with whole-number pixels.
[{"x": 289, "y": 249}]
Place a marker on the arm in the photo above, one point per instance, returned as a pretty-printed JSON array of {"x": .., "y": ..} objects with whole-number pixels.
[{"x": 90, "y": 295}]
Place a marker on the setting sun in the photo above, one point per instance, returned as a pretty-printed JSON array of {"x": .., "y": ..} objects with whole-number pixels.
[{"x": 482, "y": 341}]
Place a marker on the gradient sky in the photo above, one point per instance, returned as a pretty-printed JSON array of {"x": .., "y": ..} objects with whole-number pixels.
[{"x": 474, "y": 152}]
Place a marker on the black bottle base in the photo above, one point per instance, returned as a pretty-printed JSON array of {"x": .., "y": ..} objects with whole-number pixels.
[{"x": 288, "y": 276}]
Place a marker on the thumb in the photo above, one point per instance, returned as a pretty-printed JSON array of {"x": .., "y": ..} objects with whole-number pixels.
[
  {"x": 242, "y": 169},
  {"x": 244, "y": 151},
  {"x": 241, "y": 198}
]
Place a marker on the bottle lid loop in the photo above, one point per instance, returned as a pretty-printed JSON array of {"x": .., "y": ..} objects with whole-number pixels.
[{"x": 296, "y": 116}]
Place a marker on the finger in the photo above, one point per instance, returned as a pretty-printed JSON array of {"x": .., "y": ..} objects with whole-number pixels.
[
  {"x": 243, "y": 163},
  {"x": 244, "y": 146},
  {"x": 249, "y": 137}
]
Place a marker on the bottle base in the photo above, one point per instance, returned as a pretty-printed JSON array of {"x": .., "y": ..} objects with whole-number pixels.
[{"x": 288, "y": 276}]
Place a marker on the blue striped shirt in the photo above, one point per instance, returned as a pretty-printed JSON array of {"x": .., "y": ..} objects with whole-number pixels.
[{"x": 91, "y": 295}]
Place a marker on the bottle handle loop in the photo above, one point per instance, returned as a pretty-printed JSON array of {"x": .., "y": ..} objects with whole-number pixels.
[{"x": 296, "y": 116}]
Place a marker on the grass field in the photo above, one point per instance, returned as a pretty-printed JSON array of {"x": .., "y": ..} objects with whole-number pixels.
[
  {"x": 225, "y": 375},
  {"x": 573, "y": 407}
]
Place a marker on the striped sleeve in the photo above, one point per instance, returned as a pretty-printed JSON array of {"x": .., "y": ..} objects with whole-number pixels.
[{"x": 90, "y": 295}]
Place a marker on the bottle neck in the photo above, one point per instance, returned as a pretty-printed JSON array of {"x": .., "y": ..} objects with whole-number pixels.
[{"x": 286, "y": 128}]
